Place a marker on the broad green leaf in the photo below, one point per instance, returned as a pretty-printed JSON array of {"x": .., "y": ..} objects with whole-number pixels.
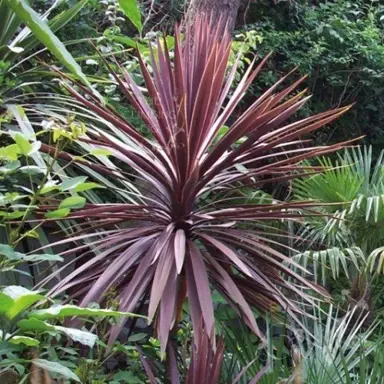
[
  {"x": 10, "y": 152},
  {"x": 84, "y": 337},
  {"x": 86, "y": 187},
  {"x": 48, "y": 187},
  {"x": 56, "y": 367},
  {"x": 32, "y": 170},
  {"x": 58, "y": 214},
  {"x": 132, "y": 11},
  {"x": 23, "y": 298},
  {"x": 8, "y": 252},
  {"x": 137, "y": 337},
  {"x": 24, "y": 145},
  {"x": 44, "y": 34},
  {"x": 11, "y": 215},
  {"x": 10, "y": 167},
  {"x": 72, "y": 202},
  {"x": 72, "y": 183},
  {"x": 29, "y": 341},
  {"x": 59, "y": 311},
  {"x": 36, "y": 325},
  {"x": 6, "y": 303}
]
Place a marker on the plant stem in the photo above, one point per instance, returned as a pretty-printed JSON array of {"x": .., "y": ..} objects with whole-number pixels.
[{"x": 35, "y": 197}]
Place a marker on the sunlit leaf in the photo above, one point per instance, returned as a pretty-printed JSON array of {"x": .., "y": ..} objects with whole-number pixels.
[
  {"x": 24, "y": 145},
  {"x": 86, "y": 187},
  {"x": 59, "y": 311},
  {"x": 28, "y": 341},
  {"x": 132, "y": 11},
  {"x": 22, "y": 298},
  {"x": 72, "y": 202},
  {"x": 58, "y": 214},
  {"x": 72, "y": 183},
  {"x": 55, "y": 367},
  {"x": 33, "y": 324}
]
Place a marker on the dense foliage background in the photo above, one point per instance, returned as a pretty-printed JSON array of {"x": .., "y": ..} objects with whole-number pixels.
[{"x": 339, "y": 44}]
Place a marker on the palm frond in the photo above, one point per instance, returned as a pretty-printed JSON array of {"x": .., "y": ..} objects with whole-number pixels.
[
  {"x": 336, "y": 349},
  {"x": 331, "y": 261}
]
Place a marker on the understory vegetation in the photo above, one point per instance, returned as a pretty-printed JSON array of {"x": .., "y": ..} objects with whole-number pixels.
[{"x": 184, "y": 203}]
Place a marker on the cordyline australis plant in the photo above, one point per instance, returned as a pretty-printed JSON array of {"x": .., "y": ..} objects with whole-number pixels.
[
  {"x": 177, "y": 246},
  {"x": 205, "y": 364}
]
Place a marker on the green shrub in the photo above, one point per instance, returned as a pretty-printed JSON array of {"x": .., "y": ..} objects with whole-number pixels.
[{"x": 340, "y": 46}]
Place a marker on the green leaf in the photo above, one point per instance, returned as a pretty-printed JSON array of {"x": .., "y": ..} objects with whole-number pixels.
[
  {"x": 56, "y": 23},
  {"x": 12, "y": 215},
  {"x": 72, "y": 183},
  {"x": 43, "y": 257},
  {"x": 10, "y": 152},
  {"x": 86, "y": 187},
  {"x": 48, "y": 187},
  {"x": 127, "y": 377},
  {"x": 10, "y": 167},
  {"x": 55, "y": 367},
  {"x": 32, "y": 170},
  {"x": 22, "y": 297},
  {"x": 84, "y": 337},
  {"x": 58, "y": 214},
  {"x": 35, "y": 325},
  {"x": 101, "y": 151},
  {"x": 8, "y": 252},
  {"x": 132, "y": 11},
  {"x": 32, "y": 233},
  {"x": 44, "y": 34},
  {"x": 130, "y": 43},
  {"x": 72, "y": 202},
  {"x": 59, "y": 311},
  {"x": 6, "y": 303},
  {"x": 24, "y": 145},
  {"x": 29, "y": 341},
  {"x": 137, "y": 337}
]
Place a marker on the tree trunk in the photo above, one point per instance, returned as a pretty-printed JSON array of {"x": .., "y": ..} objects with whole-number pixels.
[{"x": 227, "y": 9}]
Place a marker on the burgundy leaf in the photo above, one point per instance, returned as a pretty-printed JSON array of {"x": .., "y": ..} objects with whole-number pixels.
[{"x": 180, "y": 223}]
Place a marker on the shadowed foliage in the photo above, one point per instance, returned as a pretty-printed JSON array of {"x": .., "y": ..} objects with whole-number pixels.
[{"x": 205, "y": 366}]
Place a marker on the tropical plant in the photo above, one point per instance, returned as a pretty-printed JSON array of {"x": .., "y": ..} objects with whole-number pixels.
[
  {"x": 336, "y": 349},
  {"x": 349, "y": 235},
  {"x": 168, "y": 242},
  {"x": 15, "y": 43}
]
